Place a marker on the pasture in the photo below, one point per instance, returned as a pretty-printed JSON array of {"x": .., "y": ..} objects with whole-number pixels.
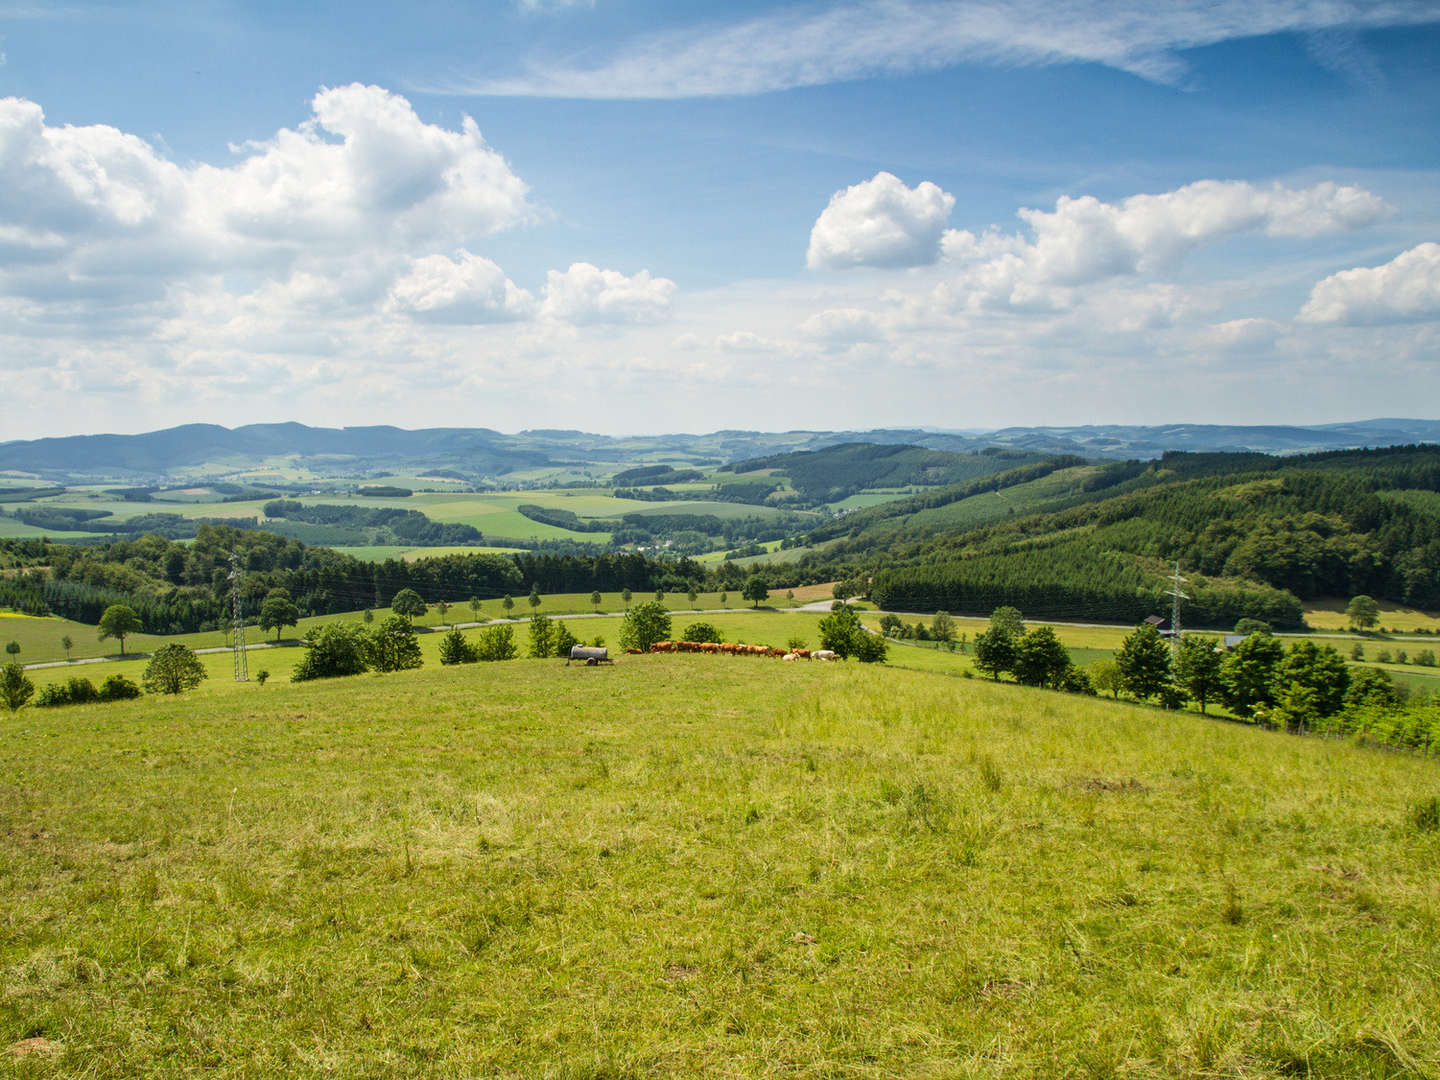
[{"x": 677, "y": 866}]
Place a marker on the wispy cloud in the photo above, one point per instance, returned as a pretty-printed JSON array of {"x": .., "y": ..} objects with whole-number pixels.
[{"x": 812, "y": 46}]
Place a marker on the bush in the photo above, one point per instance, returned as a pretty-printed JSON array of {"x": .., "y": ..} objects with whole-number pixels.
[
  {"x": 1425, "y": 658},
  {"x": 1249, "y": 626},
  {"x": 542, "y": 637},
  {"x": 15, "y": 687},
  {"x": 644, "y": 624},
  {"x": 869, "y": 648},
  {"x": 80, "y": 691},
  {"x": 51, "y": 694},
  {"x": 564, "y": 641},
  {"x": 394, "y": 646},
  {"x": 118, "y": 688},
  {"x": 496, "y": 643},
  {"x": 332, "y": 650},
  {"x": 795, "y": 642},
  {"x": 455, "y": 649},
  {"x": 701, "y": 631}
]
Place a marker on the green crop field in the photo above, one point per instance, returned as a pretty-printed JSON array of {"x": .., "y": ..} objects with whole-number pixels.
[{"x": 699, "y": 866}]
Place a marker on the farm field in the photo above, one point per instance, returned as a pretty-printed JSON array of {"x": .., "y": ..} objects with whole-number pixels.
[
  {"x": 682, "y": 866},
  {"x": 1330, "y": 615},
  {"x": 381, "y": 552}
]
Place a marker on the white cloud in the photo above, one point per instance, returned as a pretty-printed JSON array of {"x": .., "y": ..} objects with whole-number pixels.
[
  {"x": 806, "y": 46},
  {"x": 1406, "y": 289},
  {"x": 880, "y": 222},
  {"x": 466, "y": 289},
  {"x": 546, "y": 6},
  {"x": 363, "y": 174},
  {"x": 842, "y": 326},
  {"x": 587, "y": 294},
  {"x": 1243, "y": 335}
]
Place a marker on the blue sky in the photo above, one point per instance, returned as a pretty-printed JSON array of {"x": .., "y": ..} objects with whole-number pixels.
[{"x": 628, "y": 216}]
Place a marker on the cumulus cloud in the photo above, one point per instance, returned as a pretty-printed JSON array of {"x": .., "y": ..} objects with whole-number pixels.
[
  {"x": 1243, "y": 335},
  {"x": 809, "y": 45},
  {"x": 587, "y": 294},
  {"x": 465, "y": 289},
  {"x": 880, "y": 222},
  {"x": 364, "y": 173},
  {"x": 1084, "y": 241},
  {"x": 1406, "y": 289},
  {"x": 842, "y": 326}
]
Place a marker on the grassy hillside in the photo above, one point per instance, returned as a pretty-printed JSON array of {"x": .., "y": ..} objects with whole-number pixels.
[{"x": 682, "y": 867}]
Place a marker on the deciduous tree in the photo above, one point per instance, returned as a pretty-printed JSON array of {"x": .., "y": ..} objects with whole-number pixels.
[
  {"x": 119, "y": 621},
  {"x": 755, "y": 590},
  {"x": 278, "y": 611},
  {"x": 1197, "y": 667},
  {"x": 644, "y": 624},
  {"x": 1144, "y": 662},
  {"x": 1363, "y": 612},
  {"x": 407, "y": 603},
  {"x": 15, "y": 687},
  {"x": 173, "y": 669},
  {"x": 394, "y": 646}
]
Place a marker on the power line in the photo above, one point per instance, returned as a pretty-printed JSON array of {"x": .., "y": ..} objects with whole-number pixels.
[{"x": 1175, "y": 582}]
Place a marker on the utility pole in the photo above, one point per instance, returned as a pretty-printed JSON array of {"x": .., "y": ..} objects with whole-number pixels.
[
  {"x": 1176, "y": 595},
  {"x": 237, "y": 621}
]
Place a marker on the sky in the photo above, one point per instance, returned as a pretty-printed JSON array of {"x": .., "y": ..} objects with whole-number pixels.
[{"x": 629, "y": 216}]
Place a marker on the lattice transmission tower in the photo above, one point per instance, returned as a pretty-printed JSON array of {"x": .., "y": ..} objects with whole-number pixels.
[
  {"x": 237, "y": 621},
  {"x": 1176, "y": 596}
]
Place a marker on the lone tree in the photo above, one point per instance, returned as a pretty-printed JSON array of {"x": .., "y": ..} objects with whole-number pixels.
[
  {"x": 475, "y": 608},
  {"x": 278, "y": 611},
  {"x": 508, "y": 604},
  {"x": 755, "y": 590},
  {"x": 173, "y": 669},
  {"x": 595, "y": 599},
  {"x": 542, "y": 636},
  {"x": 442, "y": 606},
  {"x": 533, "y": 599},
  {"x": 644, "y": 624},
  {"x": 12, "y": 648},
  {"x": 1363, "y": 612},
  {"x": 119, "y": 622},
  {"x": 407, "y": 602},
  {"x": 67, "y": 644},
  {"x": 15, "y": 688},
  {"x": 1144, "y": 662},
  {"x": 455, "y": 649},
  {"x": 625, "y": 595}
]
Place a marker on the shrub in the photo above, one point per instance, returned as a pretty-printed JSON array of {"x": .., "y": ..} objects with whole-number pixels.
[
  {"x": 1401, "y": 657},
  {"x": 51, "y": 694},
  {"x": 496, "y": 643},
  {"x": 80, "y": 691},
  {"x": 542, "y": 636},
  {"x": 455, "y": 649},
  {"x": 1248, "y": 626},
  {"x": 644, "y": 624},
  {"x": 1425, "y": 658},
  {"x": 332, "y": 650},
  {"x": 118, "y": 688},
  {"x": 564, "y": 640},
  {"x": 15, "y": 687},
  {"x": 701, "y": 631},
  {"x": 394, "y": 646},
  {"x": 1383, "y": 656},
  {"x": 795, "y": 642},
  {"x": 869, "y": 648},
  {"x": 261, "y": 676}
]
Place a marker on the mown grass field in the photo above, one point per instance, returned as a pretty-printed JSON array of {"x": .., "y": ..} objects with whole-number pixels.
[{"x": 676, "y": 866}]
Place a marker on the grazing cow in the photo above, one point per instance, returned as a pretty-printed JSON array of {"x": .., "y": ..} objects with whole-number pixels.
[
  {"x": 790, "y": 656},
  {"x": 663, "y": 646},
  {"x": 729, "y": 648},
  {"x": 777, "y": 652},
  {"x": 824, "y": 654},
  {"x": 710, "y": 647},
  {"x": 803, "y": 654},
  {"x": 632, "y": 652}
]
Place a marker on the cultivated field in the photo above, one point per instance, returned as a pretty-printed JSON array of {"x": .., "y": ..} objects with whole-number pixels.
[{"x": 678, "y": 866}]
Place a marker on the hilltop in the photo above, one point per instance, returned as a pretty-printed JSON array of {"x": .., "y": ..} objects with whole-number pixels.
[{"x": 678, "y": 866}]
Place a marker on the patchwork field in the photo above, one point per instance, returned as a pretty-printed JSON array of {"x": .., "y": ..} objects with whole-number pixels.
[{"x": 677, "y": 866}]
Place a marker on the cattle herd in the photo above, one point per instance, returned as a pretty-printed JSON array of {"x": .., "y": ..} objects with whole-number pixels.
[{"x": 730, "y": 648}]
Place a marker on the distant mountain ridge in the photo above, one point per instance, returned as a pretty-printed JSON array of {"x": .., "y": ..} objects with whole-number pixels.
[{"x": 484, "y": 452}]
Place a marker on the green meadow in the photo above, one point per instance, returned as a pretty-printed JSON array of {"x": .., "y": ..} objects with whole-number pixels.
[{"x": 702, "y": 866}]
